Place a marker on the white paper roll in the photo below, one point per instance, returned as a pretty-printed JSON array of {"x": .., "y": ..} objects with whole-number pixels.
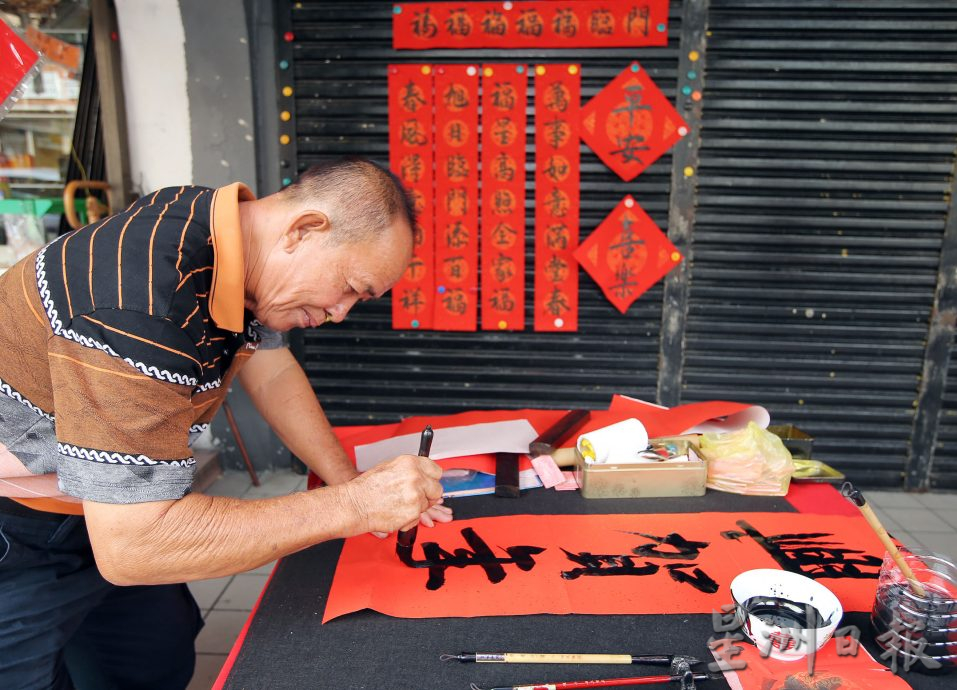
[{"x": 619, "y": 442}]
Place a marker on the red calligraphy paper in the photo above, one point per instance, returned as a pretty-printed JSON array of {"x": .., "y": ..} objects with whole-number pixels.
[
  {"x": 522, "y": 24},
  {"x": 630, "y": 123},
  {"x": 627, "y": 254},
  {"x": 707, "y": 416},
  {"x": 841, "y": 664},
  {"x": 658, "y": 421},
  {"x": 601, "y": 564},
  {"x": 456, "y": 197},
  {"x": 557, "y": 172},
  {"x": 504, "y": 89},
  {"x": 411, "y": 159}
]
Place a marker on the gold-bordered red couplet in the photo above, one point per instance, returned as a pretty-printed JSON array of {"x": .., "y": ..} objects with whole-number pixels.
[
  {"x": 530, "y": 24},
  {"x": 630, "y": 123},
  {"x": 411, "y": 159},
  {"x": 456, "y": 197},
  {"x": 504, "y": 89},
  {"x": 557, "y": 172},
  {"x": 627, "y": 254}
]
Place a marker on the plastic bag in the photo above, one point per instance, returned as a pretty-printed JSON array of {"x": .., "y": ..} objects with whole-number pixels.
[{"x": 751, "y": 461}]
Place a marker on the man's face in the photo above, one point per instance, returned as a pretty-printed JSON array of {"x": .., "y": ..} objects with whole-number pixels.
[{"x": 315, "y": 278}]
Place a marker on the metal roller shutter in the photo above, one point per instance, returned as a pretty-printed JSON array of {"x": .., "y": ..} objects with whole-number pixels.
[
  {"x": 827, "y": 148},
  {"x": 814, "y": 230},
  {"x": 363, "y": 370}
]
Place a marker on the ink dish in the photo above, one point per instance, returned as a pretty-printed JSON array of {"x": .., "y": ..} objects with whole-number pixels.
[{"x": 786, "y": 615}]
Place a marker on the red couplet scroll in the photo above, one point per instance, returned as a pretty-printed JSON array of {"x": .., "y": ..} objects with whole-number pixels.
[
  {"x": 504, "y": 89},
  {"x": 557, "y": 172},
  {"x": 530, "y": 24},
  {"x": 456, "y": 197},
  {"x": 411, "y": 159},
  {"x": 600, "y": 564}
]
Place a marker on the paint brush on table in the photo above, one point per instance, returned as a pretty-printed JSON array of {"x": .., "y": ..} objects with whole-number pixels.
[
  {"x": 536, "y": 658},
  {"x": 680, "y": 672},
  {"x": 857, "y": 498},
  {"x": 405, "y": 539},
  {"x": 687, "y": 681}
]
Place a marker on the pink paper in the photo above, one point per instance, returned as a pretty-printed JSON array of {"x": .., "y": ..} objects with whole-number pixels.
[
  {"x": 570, "y": 483},
  {"x": 548, "y": 471}
]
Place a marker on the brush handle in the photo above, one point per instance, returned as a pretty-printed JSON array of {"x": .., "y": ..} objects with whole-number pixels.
[
  {"x": 892, "y": 549},
  {"x": 405, "y": 539},
  {"x": 603, "y": 683},
  {"x": 531, "y": 658}
]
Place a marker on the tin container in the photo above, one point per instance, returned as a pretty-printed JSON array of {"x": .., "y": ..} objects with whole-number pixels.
[
  {"x": 798, "y": 442},
  {"x": 815, "y": 471},
  {"x": 645, "y": 479}
]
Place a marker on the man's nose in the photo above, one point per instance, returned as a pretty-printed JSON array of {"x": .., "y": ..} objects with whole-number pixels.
[{"x": 341, "y": 309}]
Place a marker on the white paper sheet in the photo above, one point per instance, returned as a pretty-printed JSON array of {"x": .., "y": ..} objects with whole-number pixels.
[{"x": 493, "y": 437}]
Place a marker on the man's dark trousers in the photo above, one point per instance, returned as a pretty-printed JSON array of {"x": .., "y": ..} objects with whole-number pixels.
[{"x": 63, "y": 626}]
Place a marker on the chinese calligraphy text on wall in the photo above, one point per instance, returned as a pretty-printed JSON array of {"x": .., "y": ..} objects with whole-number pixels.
[{"x": 530, "y": 24}]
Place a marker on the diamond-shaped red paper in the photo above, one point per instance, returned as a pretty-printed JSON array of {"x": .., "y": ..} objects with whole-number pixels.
[
  {"x": 627, "y": 254},
  {"x": 630, "y": 123}
]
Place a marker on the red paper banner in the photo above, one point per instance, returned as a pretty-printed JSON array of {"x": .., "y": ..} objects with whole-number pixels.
[
  {"x": 630, "y": 123},
  {"x": 17, "y": 60},
  {"x": 456, "y": 197},
  {"x": 627, "y": 254},
  {"x": 601, "y": 564},
  {"x": 841, "y": 664},
  {"x": 557, "y": 99},
  {"x": 570, "y": 24},
  {"x": 504, "y": 89},
  {"x": 411, "y": 158}
]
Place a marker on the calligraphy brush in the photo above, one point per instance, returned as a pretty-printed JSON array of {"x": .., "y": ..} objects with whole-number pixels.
[
  {"x": 605, "y": 683},
  {"x": 537, "y": 658},
  {"x": 405, "y": 539},
  {"x": 857, "y": 498}
]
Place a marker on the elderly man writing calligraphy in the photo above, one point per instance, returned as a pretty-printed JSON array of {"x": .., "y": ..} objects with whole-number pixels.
[{"x": 118, "y": 344}]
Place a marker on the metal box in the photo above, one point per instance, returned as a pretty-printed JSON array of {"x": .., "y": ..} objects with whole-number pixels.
[
  {"x": 641, "y": 480},
  {"x": 798, "y": 442}
]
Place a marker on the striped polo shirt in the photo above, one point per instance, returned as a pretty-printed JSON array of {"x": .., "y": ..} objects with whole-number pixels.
[{"x": 118, "y": 344}]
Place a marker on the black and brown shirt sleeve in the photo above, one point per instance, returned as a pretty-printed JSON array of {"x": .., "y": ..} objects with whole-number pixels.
[{"x": 141, "y": 317}]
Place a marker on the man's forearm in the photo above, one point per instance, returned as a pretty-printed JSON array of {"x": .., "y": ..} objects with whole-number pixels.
[
  {"x": 284, "y": 397},
  {"x": 199, "y": 537}
]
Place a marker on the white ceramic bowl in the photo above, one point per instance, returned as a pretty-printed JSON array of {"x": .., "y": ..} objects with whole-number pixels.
[{"x": 773, "y": 608}]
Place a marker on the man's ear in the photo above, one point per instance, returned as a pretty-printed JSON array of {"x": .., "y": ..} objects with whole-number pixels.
[{"x": 303, "y": 225}]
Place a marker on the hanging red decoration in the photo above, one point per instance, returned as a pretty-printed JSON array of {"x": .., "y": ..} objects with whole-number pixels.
[
  {"x": 411, "y": 158},
  {"x": 530, "y": 24},
  {"x": 557, "y": 172},
  {"x": 504, "y": 89},
  {"x": 456, "y": 197},
  {"x": 627, "y": 254},
  {"x": 630, "y": 123},
  {"x": 18, "y": 61}
]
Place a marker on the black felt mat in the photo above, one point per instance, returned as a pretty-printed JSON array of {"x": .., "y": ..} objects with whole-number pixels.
[{"x": 287, "y": 647}]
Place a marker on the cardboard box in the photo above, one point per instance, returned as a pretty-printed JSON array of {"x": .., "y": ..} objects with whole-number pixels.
[{"x": 678, "y": 477}]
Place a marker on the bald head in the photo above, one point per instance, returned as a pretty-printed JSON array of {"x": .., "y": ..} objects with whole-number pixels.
[{"x": 361, "y": 198}]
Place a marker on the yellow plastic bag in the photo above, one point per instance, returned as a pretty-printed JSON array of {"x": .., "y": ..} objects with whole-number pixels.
[{"x": 750, "y": 461}]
